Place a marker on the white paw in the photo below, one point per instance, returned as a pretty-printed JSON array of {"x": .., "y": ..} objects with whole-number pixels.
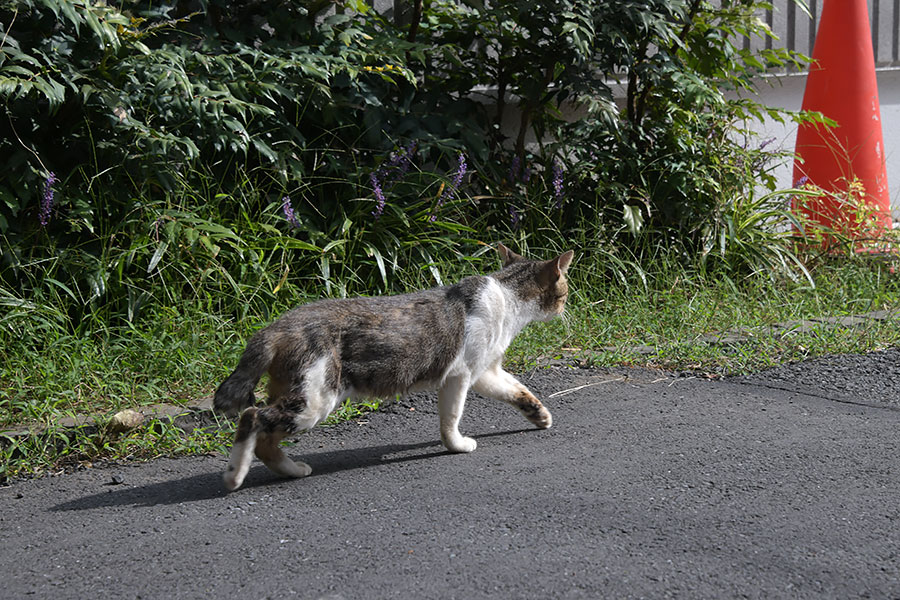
[
  {"x": 288, "y": 468},
  {"x": 546, "y": 421},
  {"x": 233, "y": 480},
  {"x": 461, "y": 444},
  {"x": 300, "y": 469}
]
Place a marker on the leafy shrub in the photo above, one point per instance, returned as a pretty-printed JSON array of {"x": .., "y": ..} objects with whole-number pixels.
[{"x": 247, "y": 153}]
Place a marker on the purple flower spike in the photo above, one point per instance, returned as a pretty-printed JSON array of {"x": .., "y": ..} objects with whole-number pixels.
[
  {"x": 514, "y": 169},
  {"x": 389, "y": 173},
  {"x": 558, "y": 184},
  {"x": 514, "y": 217},
  {"x": 450, "y": 189},
  {"x": 801, "y": 182},
  {"x": 379, "y": 195},
  {"x": 288, "y": 211},
  {"x": 460, "y": 172},
  {"x": 765, "y": 143},
  {"x": 47, "y": 199},
  {"x": 406, "y": 159},
  {"x": 397, "y": 165}
]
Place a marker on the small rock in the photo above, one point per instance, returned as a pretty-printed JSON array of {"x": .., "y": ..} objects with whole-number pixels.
[
  {"x": 125, "y": 420},
  {"x": 116, "y": 480}
]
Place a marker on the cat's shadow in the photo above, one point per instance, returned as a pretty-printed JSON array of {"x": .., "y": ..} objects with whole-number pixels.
[{"x": 208, "y": 486}]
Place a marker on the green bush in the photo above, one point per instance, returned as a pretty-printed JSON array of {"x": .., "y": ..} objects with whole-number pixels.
[{"x": 246, "y": 153}]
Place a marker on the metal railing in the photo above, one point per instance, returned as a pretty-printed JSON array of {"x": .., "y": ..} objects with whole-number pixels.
[{"x": 797, "y": 31}]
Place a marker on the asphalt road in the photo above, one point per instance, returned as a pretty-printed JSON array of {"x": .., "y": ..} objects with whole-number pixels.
[{"x": 781, "y": 485}]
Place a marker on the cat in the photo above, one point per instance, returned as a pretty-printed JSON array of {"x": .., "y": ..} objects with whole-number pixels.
[{"x": 449, "y": 338}]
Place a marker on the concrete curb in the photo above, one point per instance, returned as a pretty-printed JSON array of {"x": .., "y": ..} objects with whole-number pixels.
[{"x": 182, "y": 415}]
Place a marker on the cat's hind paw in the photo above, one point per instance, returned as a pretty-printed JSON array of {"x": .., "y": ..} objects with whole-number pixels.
[
  {"x": 288, "y": 468},
  {"x": 461, "y": 444}
]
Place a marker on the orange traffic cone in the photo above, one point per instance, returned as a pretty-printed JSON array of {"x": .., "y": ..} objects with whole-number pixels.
[{"x": 842, "y": 86}]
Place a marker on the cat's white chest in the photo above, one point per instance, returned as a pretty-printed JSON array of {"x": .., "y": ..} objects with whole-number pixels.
[{"x": 494, "y": 320}]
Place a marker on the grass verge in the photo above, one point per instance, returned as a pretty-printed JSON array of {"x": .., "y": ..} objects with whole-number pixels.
[
  {"x": 673, "y": 322},
  {"x": 49, "y": 373}
]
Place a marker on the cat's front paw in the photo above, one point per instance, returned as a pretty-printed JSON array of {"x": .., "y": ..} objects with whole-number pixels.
[
  {"x": 233, "y": 478},
  {"x": 460, "y": 444},
  {"x": 542, "y": 419}
]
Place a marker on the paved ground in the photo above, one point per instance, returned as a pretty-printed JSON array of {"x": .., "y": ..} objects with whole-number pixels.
[{"x": 780, "y": 485}]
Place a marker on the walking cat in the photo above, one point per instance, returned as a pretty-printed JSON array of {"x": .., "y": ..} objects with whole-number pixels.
[{"x": 448, "y": 338}]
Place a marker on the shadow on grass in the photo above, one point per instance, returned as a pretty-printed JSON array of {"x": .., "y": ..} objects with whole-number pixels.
[{"x": 208, "y": 486}]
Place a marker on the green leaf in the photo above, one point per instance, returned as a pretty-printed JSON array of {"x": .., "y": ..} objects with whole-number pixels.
[
  {"x": 333, "y": 244},
  {"x": 61, "y": 286},
  {"x": 379, "y": 260},
  {"x": 68, "y": 10},
  {"x": 633, "y": 218},
  {"x": 296, "y": 244},
  {"x": 157, "y": 256},
  {"x": 265, "y": 150},
  {"x": 19, "y": 70}
]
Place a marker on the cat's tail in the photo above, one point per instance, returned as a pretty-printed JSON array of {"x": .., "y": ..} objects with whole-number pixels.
[{"x": 236, "y": 392}]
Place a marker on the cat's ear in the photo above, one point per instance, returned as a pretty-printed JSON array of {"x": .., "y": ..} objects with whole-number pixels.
[
  {"x": 507, "y": 256},
  {"x": 553, "y": 269},
  {"x": 564, "y": 260}
]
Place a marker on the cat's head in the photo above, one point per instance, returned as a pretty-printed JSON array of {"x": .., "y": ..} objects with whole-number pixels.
[{"x": 541, "y": 282}]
